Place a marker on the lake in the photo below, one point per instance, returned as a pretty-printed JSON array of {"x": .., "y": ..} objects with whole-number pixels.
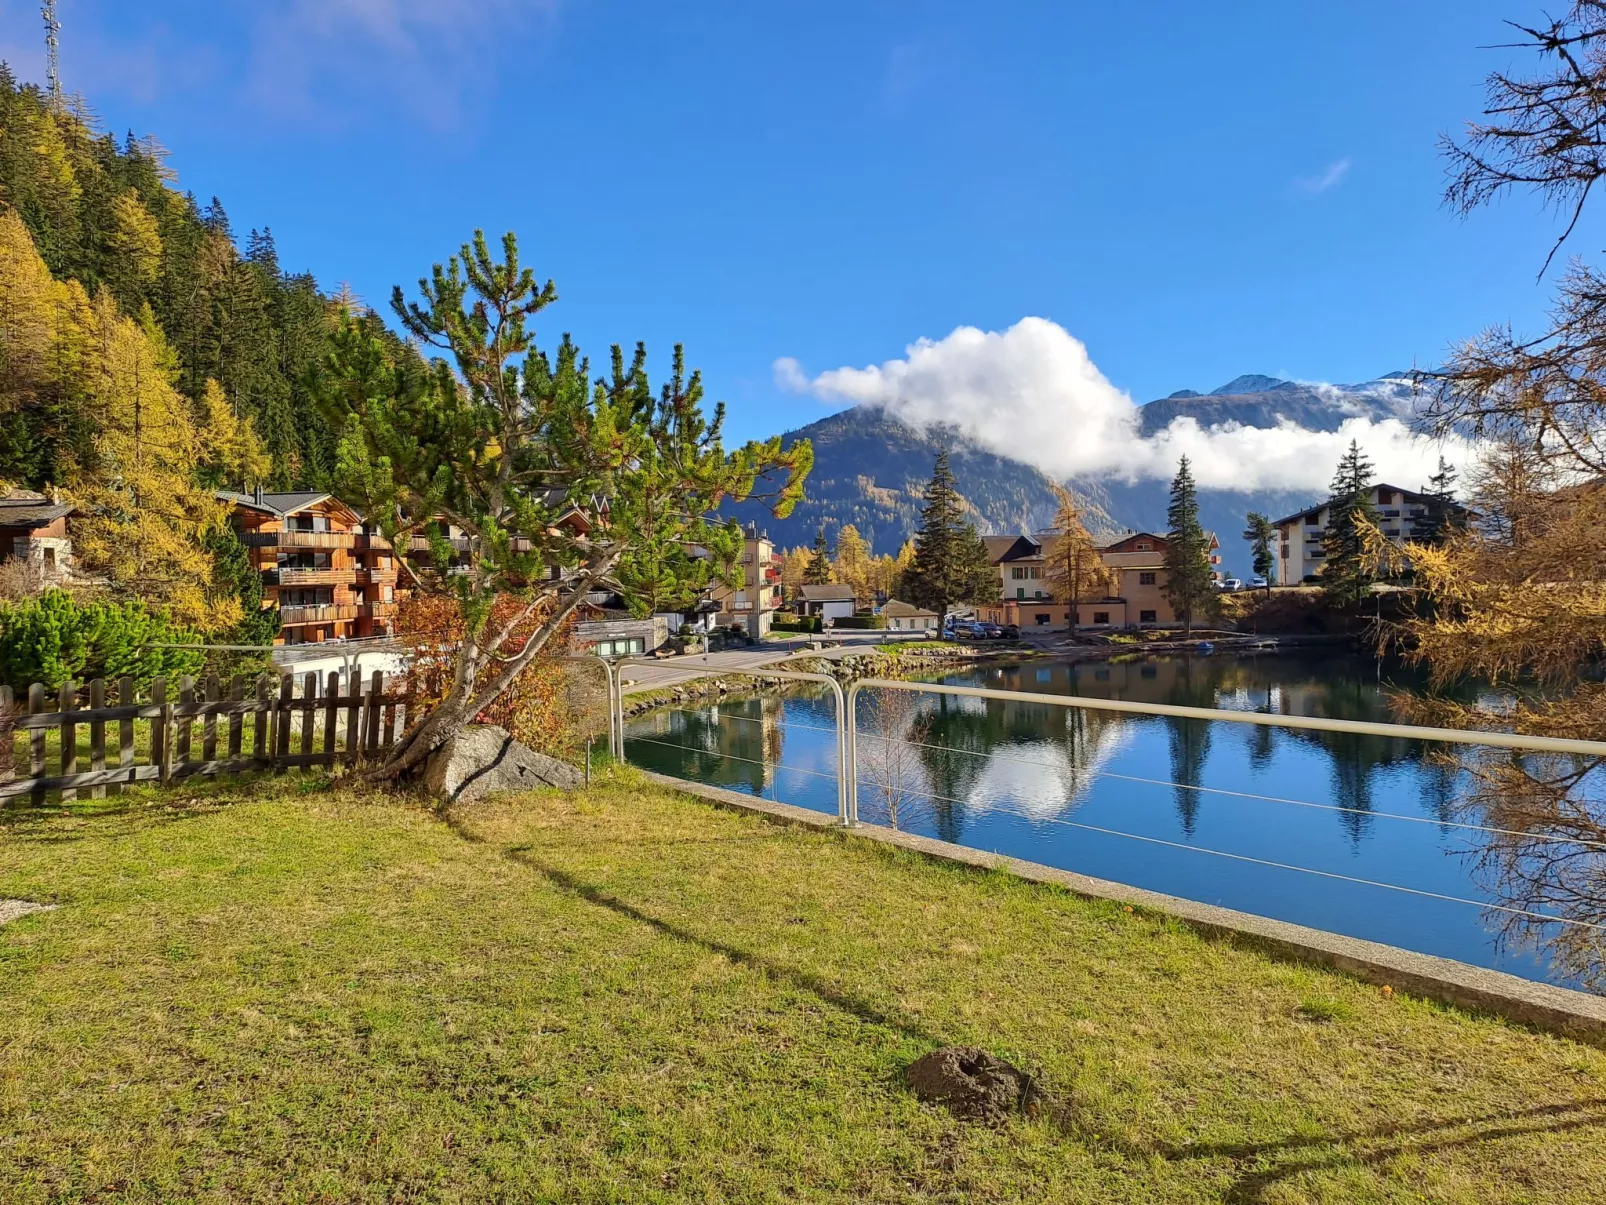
[{"x": 1227, "y": 814}]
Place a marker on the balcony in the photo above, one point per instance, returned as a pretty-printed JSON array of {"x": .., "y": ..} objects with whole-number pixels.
[
  {"x": 300, "y": 539},
  {"x": 371, "y": 542},
  {"x": 297, "y": 576},
  {"x": 321, "y": 613},
  {"x": 418, "y": 543},
  {"x": 374, "y": 577},
  {"x": 379, "y": 610}
]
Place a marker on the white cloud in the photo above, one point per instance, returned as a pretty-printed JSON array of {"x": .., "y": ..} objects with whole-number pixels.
[
  {"x": 1329, "y": 177},
  {"x": 1032, "y": 393},
  {"x": 789, "y": 375}
]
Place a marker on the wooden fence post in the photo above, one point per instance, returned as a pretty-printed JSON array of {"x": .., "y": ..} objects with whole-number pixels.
[
  {"x": 186, "y": 694},
  {"x": 261, "y": 750},
  {"x": 162, "y": 732},
  {"x": 213, "y": 694},
  {"x": 353, "y": 716},
  {"x": 236, "y": 720},
  {"x": 97, "y": 735},
  {"x": 36, "y": 740},
  {"x": 331, "y": 698},
  {"x": 373, "y": 705},
  {"x": 66, "y": 701},
  {"x": 309, "y": 717},
  {"x": 125, "y": 728},
  {"x": 281, "y": 721}
]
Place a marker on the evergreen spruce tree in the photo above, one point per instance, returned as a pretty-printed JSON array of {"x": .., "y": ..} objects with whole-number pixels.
[
  {"x": 1262, "y": 537},
  {"x": 819, "y": 571},
  {"x": 950, "y": 564},
  {"x": 1441, "y": 517},
  {"x": 1190, "y": 585},
  {"x": 1346, "y": 579}
]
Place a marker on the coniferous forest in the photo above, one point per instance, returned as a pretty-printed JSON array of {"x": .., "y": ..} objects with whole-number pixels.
[{"x": 105, "y": 213}]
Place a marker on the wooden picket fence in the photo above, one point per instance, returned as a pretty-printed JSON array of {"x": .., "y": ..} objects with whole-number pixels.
[{"x": 242, "y": 727}]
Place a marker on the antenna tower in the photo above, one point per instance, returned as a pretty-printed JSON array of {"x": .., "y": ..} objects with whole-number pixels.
[{"x": 52, "y": 45}]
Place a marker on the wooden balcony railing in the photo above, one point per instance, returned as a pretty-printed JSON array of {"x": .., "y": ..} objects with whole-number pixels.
[
  {"x": 375, "y": 577},
  {"x": 297, "y": 576},
  {"x": 315, "y": 613},
  {"x": 379, "y": 610},
  {"x": 301, "y": 539}
]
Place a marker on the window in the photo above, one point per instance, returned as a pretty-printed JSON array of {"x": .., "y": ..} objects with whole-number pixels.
[
  {"x": 1041, "y": 619},
  {"x": 1033, "y": 573},
  {"x": 1101, "y": 617},
  {"x": 1148, "y": 671},
  {"x": 1142, "y": 546},
  {"x": 1285, "y": 552},
  {"x": 1017, "y": 574},
  {"x": 50, "y": 560},
  {"x": 1020, "y": 591},
  {"x": 1146, "y": 617},
  {"x": 1145, "y": 579},
  {"x": 1313, "y": 521}
]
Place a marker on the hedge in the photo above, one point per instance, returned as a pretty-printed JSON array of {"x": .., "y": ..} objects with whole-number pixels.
[
  {"x": 860, "y": 621},
  {"x": 55, "y": 637}
]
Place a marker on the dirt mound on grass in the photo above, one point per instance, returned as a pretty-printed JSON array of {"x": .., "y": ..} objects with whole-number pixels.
[{"x": 972, "y": 1084}]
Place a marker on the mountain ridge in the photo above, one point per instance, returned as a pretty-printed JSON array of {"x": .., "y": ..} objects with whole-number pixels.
[{"x": 870, "y": 469}]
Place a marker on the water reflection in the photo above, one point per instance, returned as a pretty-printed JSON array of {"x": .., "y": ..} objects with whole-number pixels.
[{"x": 1072, "y": 787}]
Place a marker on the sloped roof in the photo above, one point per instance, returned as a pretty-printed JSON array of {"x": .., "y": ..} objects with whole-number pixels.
[
  {"x": 1410, "y": 496},
  {"x": 1012, "y": 548},
  {"x": 903, "y": 610},
  {"x": 814, "y": 593},
  {"x": 279, "y": 504},
  {"x": 31, "y": 512}
]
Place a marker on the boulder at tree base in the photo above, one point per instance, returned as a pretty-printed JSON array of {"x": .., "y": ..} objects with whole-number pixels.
[{"x": 483, "y": 759}]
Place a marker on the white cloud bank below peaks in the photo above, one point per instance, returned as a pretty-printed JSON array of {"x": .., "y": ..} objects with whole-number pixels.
[{"x": 1032, "y": 393}]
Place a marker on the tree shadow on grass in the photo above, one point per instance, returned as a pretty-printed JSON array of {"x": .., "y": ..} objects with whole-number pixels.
[
  {"x": 820, "y": 988},
  {"x": 62, "y": 825},
  {"x": 1367, "y": 1148}
]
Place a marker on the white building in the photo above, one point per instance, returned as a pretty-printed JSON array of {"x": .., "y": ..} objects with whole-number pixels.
[
  {"x": 828, "y": 602},
  {"x": 1299, "y": 550}
]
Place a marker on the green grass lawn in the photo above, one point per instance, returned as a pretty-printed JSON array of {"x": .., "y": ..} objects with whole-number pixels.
[{"x": 293, "y": 992}]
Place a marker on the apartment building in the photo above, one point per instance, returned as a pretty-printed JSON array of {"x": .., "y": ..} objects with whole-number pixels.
[
  {"x": 752, "y": 602},
  {"x": 1136, "y": 596},
  {"x": 329, "y": 574},
  {"x": 1300, "y": 535},
  {"x": 1022, "y": 565}
]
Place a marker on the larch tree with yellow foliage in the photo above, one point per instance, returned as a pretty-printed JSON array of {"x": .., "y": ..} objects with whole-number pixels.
[
  {"x": 851, "y": 565},
  {"x": 1073, "y": 568}
]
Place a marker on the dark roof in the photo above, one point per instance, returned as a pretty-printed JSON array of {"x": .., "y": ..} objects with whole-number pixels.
[
  {"x": 903, "y": 610},
  {"x": 1136, "y": 535},
  {"x": 278, "y": 504},
  {"x": 813, "y": 593},
  {"x": 1411, "y": 496},
  {"x": 1012, "y": 548},
  {"x": 32, "y": 512}
]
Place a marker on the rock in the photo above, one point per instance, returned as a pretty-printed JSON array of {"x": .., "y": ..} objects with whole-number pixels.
[
  {"x": 971, "y": 1083},
  {"x": 484, "y": 758}
]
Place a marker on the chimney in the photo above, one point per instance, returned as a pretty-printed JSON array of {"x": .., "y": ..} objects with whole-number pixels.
[{"x": 256, "y": 494}]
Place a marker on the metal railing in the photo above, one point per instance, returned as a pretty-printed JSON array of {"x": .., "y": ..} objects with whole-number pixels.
[
  {"x": 847, "y": 734},
  {"x": 843, "y": 744}
]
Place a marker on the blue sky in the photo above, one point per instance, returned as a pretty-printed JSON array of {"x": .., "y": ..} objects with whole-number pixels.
[{"x": 1192, "y": 191}]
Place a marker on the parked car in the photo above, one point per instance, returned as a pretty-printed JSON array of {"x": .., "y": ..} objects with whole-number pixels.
[
  {"x": 1012, "y": 631},
  {"x": 1232, "y": 584},
  {"x": 1257, "y": 582},
  {"x": 991, "y": 631}
]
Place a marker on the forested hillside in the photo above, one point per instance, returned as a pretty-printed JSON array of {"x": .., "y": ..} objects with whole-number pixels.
[{"x": 104, "y": 212}]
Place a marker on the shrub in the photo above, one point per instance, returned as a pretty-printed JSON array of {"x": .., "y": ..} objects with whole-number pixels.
[
  {"x": 55, "y": 637},
  {"x": 860, "y": 621}
]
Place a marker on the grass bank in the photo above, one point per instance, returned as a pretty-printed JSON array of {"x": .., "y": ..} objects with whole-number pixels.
[{"x": 288, "y": 992}]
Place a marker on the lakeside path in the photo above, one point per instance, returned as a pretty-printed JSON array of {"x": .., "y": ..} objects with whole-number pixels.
[{"x": 675, "y": 671}]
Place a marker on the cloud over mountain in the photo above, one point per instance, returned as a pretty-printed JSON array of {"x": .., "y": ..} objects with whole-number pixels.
[{"x": 1032, "y": 393}]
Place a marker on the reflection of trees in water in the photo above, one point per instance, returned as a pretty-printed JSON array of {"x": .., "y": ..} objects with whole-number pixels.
[
  {"x": 963, "y": 735},
  {"x": 735, "y": 744},
  {"x": 1549, "y": 855}
]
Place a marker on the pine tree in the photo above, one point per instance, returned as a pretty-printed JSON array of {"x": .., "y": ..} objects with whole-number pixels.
[
  {"x": 1190, "y": 585},
  {"x": 1262, "y": 536},
  {"x": 950, "y": 563},
  {"x": 819, "y": 571},
  {"x": 1075, "y": 570},
  {"x": 1346, "y": 577},
  {"x": 1441, "y": 517}
]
